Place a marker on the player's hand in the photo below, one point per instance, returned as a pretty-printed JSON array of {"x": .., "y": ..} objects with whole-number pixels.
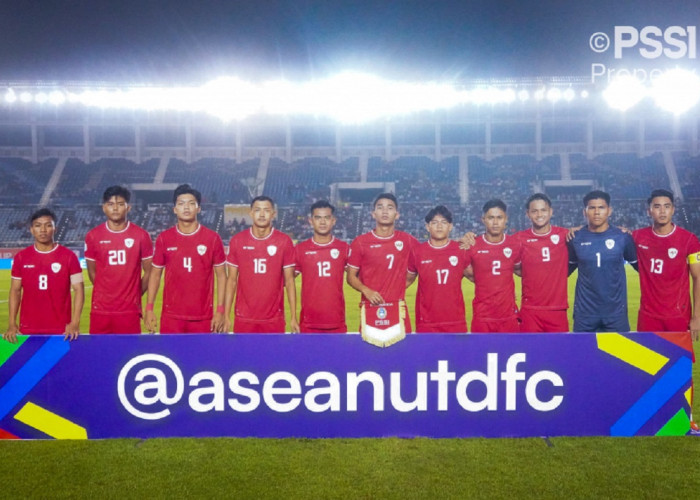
[
  {"x": 695, "y": 328},
  {"x": 294, "y": 326},
  {"x": 11, "y": 334},
  {"x": 625, "y": 229},
  {"x": 572, "y": 233},
  {"x": 72, "y": 331},
  {"x": 227, "y": 325},
  {"x": 467, "y": 241},
  {"x": 217, "y": 323},
  {"x": 374, "y": 297},
  {"x": 149, "y": 319}
]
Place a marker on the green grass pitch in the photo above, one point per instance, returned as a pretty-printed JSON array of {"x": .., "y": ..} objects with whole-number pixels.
[{"x": 353, "y": 468}]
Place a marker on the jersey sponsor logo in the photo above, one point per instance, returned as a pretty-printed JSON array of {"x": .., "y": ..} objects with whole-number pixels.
[
  {"x": 532, "y": 240},
  {"x": 672, "y": 252},
  {"x": 29, "y": 266},
  {"x": 453, "y": 260},
  {"x": 55, "y": 267},
  {"x": 105, "y": 242},
  {"x": 129, "y": 242},
  {"x": 398, "y": 245},
  {"x": 426, "y": 261},
  {"x": 586, "y": 244},
  {"x": 555, "y": 239},
  {"x": 507, "y": 252},
  {"x": 643, "y": 246},
  {"x": 610, "y": 244},
  {"x": 248, "y": 248},
  {"x": 375, "y": 246},
  {"x": 335, "y": 253},
  {"x": 310, "y": 252},
  {"x": 201, "y": 249},
  {"x": 482, "y": 251},
  {"x": 171, "y": 249},
  {"x": 271, "y": 250}
]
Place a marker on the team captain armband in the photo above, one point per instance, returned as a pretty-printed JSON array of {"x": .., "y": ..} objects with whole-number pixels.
[
  {"x": 694, "y": 258},
  {"x": 383, "y": 325}
]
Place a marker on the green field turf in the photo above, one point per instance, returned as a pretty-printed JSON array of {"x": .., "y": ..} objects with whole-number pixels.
[{"x": 353, "y": 468}]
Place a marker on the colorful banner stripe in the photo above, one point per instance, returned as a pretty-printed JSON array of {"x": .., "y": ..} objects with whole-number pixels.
[
  {"x": 631, "y": 352},
  {"x": 7, "y": 349},
  {"x": 49, "y": 423},
  {"x": 31, "y": 373},
  {"x": 652, "y": 400}
]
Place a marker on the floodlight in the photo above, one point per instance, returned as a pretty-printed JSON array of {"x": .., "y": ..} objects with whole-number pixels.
[
  {"x": 624, "y": 92},
  {"x": 553, "y": 94},
  {"x": 10, "y": 96},
  {"x": 41, "y": 98},
  {"x": 523, "y": 95},
  {"x": 569, "y": 94},
  {"x": 25, "y": 97},
  {"x": 57, "y": 98},
  {"x": 539, "y": 94},
  {"x": 676, "y": 90},
  {"x": 584, "y": 94}
]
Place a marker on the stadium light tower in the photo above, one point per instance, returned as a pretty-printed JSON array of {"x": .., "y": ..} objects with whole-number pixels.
[
  {"x": 624, "y": 93},
  {"x": 677, "y": 91}
]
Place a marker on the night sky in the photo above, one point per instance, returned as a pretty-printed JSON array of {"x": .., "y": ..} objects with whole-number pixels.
[{"x": 196, "y": 41}]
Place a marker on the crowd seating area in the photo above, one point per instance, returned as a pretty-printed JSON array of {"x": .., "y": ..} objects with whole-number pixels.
[{"x": 420, "y": 184}]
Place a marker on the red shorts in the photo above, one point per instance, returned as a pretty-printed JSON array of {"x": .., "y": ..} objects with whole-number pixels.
[
  {"x": 646, "y": 323},
  {"x": 544, "y": 320},
  {"x": 507, "y": 325},
  {"x": 310, "y": 329},
  {"x": 274, "y": 325},
  {"x": 115, "y": 323},
  {"x": 176, "y": 325},
  {"x": 457, "y": 327}
]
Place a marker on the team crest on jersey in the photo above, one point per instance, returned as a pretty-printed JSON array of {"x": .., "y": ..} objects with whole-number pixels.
[
  {"x": 398, "y": 245},
  {"x": 610, "y": 244},
  {"x": 129, "y": 242},
  {"x": 201, "y": 249},
  {"x": 271, "y": 250},
  {"x": 672, "y": 252},
  {"x": 335, "y": 253},
  {"x": 55, "y": 267},
  {"x": 507, "y": 252},
  {"x": 555, "y": 239},
  {"x": 453, "y": 260}
]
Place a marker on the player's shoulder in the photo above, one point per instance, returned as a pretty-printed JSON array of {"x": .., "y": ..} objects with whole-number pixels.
[
  {"x": 281, "y": 237},
  {"x": 97, "y": 230}
]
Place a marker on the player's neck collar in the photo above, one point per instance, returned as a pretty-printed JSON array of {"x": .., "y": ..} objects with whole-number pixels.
[
  {"x": 383, "y": 237},
  {"x": 177, "y": 228},
  {"x": 252, "y": 234},
  {"x": 117, "y": 232},
  {"x": 483, "y": 237},
  {"x": 664, "y": 235},
  {"x": 532, "y": 230},
  {"x": 55, "y": 246},
  {"x": 322, "y": 244},
  {"x": 447, "y": 244}
]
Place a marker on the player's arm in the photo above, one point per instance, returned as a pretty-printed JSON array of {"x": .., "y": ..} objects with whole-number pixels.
[
  {"x": 467, "y": 241},
  {"x": 291, "y": 289},
  {"x": 353, "y": 279},
  {"x": 469, "y": 273},
  {"x": 630, "y": 252},
  {"x": 572, "y": 233},
  {"x": 13, "y": 303},
  {"x": 90, "y": 269},
  {"x": 231, "y": 288},
  {"x": 149, "y": 318},
  {"x": 218, "y": 323},
  {"x": 518, "y": 269},
  {"x": 695, "y": 318},
  {"x": 573, "y": 258},
  {"x": 410, "y": 278},
  {"x": 73, "y": 328},
  {"x": 146, "y": 266}
]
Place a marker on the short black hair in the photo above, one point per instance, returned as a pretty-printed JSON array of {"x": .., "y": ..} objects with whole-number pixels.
[
  {"x": 385, "y": 196},
  {"x": 322, "y": 204},
  {"x": 596, "y": 195},
  {"x": 538, "y": 196},
  {"x": 262, "y": 198},
  {"x": 656, "y": 193},
  {"x": 495, "y": 203},
  {"x": 439, "y": 210},
  {"x": 42, "y": 212},
  {"x": 186, "y": 189},
  {"x": 120, "y": 191}
]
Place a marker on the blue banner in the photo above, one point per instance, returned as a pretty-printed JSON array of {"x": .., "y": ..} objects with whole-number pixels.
[{"x": 338, "y": 386}]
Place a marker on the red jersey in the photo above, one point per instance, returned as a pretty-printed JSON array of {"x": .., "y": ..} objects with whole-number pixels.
[
  {"x": 383, "y": 262},
  {"x": 439, "y": 299},
  {"x": 322, "y": 268},
  {"x": 45, "y": 306},
  {"x": 260, "y": 263},
  {"x": 189, "y": 261},
  {"x": 117, "y": 256},
  {"x": 493, "y": 265},
  {"x": 545, "y": 269},
  {"x": 663, "y": 271}
]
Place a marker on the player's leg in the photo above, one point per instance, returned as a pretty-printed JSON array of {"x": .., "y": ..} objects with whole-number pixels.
[
  {"x": 586, "y": 323},
  {"x": 617, "y": 323}
]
